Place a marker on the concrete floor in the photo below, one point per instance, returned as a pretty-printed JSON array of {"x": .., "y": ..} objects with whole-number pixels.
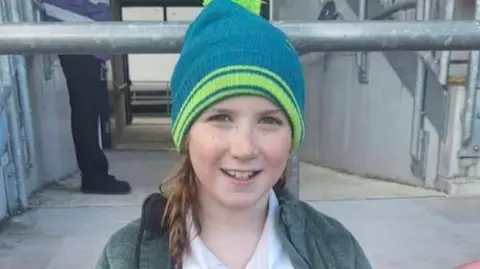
[{"x": 398, "y": 226}]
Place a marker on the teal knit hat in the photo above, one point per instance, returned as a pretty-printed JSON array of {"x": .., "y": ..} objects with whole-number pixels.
[{"x": 230, "y": 50}]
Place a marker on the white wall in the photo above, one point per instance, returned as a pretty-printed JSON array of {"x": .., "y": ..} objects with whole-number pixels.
[{"x": 155, "y": 67}]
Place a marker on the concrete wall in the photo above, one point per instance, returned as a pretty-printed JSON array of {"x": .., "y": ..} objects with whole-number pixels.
[
  {"x": 51, "y": 112},
  {"x": 51, "y": 119},
  {"x": 49, "y": 108},
  {"x": 355, "y": 128}
]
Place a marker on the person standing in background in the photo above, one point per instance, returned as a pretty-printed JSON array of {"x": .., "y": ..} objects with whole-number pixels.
[{"x": 87, "y": 84}]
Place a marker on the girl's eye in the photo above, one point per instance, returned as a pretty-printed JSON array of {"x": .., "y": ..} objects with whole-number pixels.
[
  {"x": 219, "y": 117},
  {"x": 271, "y": 120}
]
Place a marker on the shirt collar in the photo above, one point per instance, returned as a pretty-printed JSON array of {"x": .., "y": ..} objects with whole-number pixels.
[{"x": 204, "y": 257}]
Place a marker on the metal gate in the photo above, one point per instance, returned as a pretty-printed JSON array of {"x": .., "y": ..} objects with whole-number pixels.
[
  {"x": 360, "y": 36},
  {"x": 17, "y": 145}
]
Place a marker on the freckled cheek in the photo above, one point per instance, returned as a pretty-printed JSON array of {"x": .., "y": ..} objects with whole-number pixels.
[
  {"x": 276, "y": 148},
  {"x": 207, "y": 143},
  {"x": 218, "y": 139}
]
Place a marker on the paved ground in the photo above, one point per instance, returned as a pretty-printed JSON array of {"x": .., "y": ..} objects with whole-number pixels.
[{"x": 399, "y": 226}]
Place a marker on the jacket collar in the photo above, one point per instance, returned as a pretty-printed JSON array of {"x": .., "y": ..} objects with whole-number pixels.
[
  {"x": 153, "y": 246},
  {"x": 154, "y": 206}
]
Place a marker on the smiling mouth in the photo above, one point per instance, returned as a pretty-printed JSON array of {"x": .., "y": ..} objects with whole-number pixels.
[{"x": 240, "y": 175}]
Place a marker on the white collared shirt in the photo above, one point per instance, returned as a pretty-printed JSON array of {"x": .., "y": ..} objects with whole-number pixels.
[{"x": 267, "y": 255}]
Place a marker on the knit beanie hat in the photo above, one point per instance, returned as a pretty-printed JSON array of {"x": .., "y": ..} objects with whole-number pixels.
[{"x": 230, "y": 50}]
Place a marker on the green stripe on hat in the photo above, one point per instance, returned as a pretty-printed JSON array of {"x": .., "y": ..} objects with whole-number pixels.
[
  {"x": 254, "y": 6},
  {"x": 238, "y": 80},
  {"x": 236, "y": 68}
]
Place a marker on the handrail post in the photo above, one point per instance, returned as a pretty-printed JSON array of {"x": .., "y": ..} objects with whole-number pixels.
[
  {"x": 418, "y": 136},
  {"x": 445, "y": 55},
  {"x": 362, "y": 57},
  {"x": 469, "y": 147}
]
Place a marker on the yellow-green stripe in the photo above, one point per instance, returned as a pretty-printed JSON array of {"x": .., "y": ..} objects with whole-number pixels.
[
  {"x": 231, "y": 69},
  {"x": 235, "y": 80},
  {"x": 178, "y": 138}
]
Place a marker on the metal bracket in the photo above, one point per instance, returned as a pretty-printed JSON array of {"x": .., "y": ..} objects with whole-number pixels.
[
  {"x": 293, "y": 182},
  {"x": 361, "y": 57},
  {"x": 419, "y": 163},
  {"x": 47, "y": 61},
  {"x": 8, "y": 170},
  {"x": 471, "y": 148},
  {"x": 362, "y": 64}
]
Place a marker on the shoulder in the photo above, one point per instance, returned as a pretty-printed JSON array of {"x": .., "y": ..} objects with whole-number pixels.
[
  {"x": 315, "y": 222},
  {"x": 296, "y": 213},
  {"x": 123, "y": 248},
  {"x": 119, "y": 251},
  {"x": 125, "y": 237},
  {"x": 325, "y": 235},
  {"x": 320, "y": 222}
]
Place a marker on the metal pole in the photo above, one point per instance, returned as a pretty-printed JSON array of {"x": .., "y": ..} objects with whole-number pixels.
[
  {"x": 427, "y": 10},
  {"x": 293, "y": 175},
  {"x": 23, "y": 88},
  {"x": 19, "y": 159},
  {"x": 427, "y": 56},
  {"x": 28, "y": 8},
  {"x": 470, "y": 101},
  {"x": 429, "y": 61},
  {"x": 417, "y": 115},
  {"x": 293, "y": 166},
  {"x": 362, "y": 59},
  {"x": 445, "y": 55},
  {"x": 4, "y": 77},
  {"x": 167, "y": 37}
]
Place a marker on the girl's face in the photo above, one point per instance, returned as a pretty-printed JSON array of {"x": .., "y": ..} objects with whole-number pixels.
[{"x": 239, "y": 149}]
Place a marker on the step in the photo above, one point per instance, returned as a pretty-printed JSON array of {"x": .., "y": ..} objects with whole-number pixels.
[{"x": 459, "y": 187}]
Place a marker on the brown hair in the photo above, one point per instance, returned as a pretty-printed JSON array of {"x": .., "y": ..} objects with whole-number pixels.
[{"x": 182, "y": 193}]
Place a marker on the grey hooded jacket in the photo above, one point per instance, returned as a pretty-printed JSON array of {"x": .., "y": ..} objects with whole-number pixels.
[{"x": 311, "y": 239}]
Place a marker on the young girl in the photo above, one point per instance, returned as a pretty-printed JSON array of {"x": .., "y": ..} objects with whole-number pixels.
[{"x": 237, "y": 114}]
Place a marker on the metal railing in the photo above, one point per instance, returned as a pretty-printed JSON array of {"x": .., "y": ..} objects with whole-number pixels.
[
  {"x": 436, "y": 63},
  {"x": 471, "y": 142},
  {"x": 167, "y": 37},
  {"x": 14, "y": 98}
]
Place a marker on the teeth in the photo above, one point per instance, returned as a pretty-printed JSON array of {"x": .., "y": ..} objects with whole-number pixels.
[{"x": 239, "y": 175}]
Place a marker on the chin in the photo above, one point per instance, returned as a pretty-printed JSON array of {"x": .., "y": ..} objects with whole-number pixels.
[{"x": 240, "y": 200}]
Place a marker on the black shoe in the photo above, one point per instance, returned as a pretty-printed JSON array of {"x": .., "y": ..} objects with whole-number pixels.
[{"x": 105, "y": 185}]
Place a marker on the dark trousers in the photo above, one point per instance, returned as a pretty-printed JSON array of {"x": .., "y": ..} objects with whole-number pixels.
[{"x": 86, "y": 82}]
